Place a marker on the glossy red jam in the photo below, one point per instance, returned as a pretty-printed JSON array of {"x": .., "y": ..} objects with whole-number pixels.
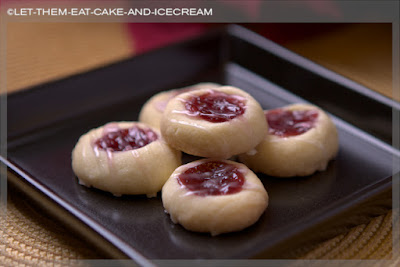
[
  {"x": 215, "y": 106},
  {"x": 126, "y": 139},
  {"x": 212, "y": 178},
  {"x": 286, "y": 123}
]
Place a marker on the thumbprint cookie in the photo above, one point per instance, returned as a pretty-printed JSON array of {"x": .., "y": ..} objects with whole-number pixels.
[
  {"x": 301, "y": 140},
  {"x": 124, "y": 158},
  {"x": 214, "y": 123},
  {"x": 214, "y": 196}
]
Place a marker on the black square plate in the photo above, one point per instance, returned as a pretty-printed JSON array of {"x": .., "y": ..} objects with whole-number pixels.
[{"x": 45, "y": 122}]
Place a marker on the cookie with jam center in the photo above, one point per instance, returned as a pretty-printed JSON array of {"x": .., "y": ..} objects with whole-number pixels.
[
  {"x": 124, "y": 158},
  {"x": 301, "y": 140},
  {"x": 214, "y": 123}
]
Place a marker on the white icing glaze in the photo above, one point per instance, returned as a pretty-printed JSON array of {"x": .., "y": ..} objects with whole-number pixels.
[
  {"x": 252, "y": 152},
  {"x": 188, "y": 113},
  {"x": 189, "y": 123},
  {"x": 151, "y": 195},
  {"x": 82, "y": 183},
  {"x": 110, "y": 127}
]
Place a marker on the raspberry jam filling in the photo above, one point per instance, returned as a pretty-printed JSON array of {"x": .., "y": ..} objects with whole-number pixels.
[
  {"x": 215, "y": 106},
  {"x": 285, "y": 123},
  {"x": 126, "y": 139},
  {"x": 212, "y": 178}
]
